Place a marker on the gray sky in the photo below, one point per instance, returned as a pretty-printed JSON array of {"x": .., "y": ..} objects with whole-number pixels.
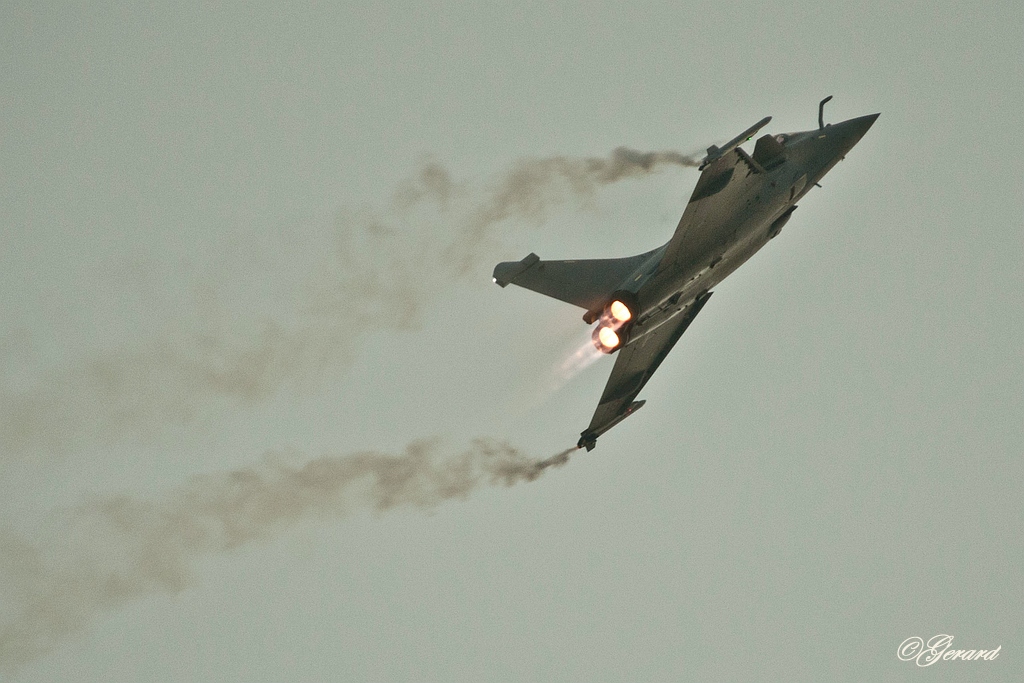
[{"x": 214, "y": 260}]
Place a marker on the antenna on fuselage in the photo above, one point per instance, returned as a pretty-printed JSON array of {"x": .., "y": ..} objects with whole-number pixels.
[{"x": 821, "y": 111}]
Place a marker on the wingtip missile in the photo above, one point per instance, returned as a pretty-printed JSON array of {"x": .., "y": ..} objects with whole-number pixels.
[
  {"x": 715, "y": 152},
  {"x": 588, "y": 439}
]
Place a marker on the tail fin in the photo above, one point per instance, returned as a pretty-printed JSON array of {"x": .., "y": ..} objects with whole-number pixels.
[{"x": 585, "y": 283}]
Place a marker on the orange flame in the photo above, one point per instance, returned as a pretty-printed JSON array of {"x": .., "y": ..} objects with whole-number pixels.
[
  {"x": 607, "y": 336},
  {"x": 620, "y": 311}
]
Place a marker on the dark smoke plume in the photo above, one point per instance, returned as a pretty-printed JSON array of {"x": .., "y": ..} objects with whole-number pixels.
[
  {"x": 378, "y": 270},
  {"x": 111, "y": 551}
]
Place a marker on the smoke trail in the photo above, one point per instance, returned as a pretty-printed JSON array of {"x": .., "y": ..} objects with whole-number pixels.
[
  {"x": 377, "y": 271},
  {"x": 532, "y": 187},
  {"x": 115, "y": 550}
]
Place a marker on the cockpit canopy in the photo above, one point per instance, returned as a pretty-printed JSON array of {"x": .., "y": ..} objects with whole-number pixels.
[{"x": 770, "y": 151}]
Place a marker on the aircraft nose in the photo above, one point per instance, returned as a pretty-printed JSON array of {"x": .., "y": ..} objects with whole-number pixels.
[{"x": 848, "y": 133}]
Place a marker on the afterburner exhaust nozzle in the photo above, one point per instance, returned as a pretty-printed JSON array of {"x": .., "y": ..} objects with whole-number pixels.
[
  {"x": 614, "y": 322},
  {"x": 620, "y": 312},
  {"x": 606, "y": 338}
]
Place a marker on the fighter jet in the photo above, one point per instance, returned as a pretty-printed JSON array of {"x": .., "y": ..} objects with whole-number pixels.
[{"x": 642, "y": 304}]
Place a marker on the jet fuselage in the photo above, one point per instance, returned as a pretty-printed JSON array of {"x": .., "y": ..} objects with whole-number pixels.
[{"x": 681, "y": 270}]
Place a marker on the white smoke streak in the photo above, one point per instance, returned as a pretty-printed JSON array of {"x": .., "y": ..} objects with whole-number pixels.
[
  {"x": 576, "y": 355},
  {"x": 379, "y": 270},
  {"x": 110, "y": 551},
  {"x": 581, "y": 359}
]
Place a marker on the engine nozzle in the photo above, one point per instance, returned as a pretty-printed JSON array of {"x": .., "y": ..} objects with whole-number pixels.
[
  {"x": 606, "y": 339},
  {"x": 614, "y": 321},
  {"x": 620, "y": 311}
]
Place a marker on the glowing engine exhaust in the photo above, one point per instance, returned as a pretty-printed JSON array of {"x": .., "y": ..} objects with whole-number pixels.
[
  {"x": 620, "y": 311},
  {"x": 607, "y": 338},
  {"x": 612, "y": 327}
]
